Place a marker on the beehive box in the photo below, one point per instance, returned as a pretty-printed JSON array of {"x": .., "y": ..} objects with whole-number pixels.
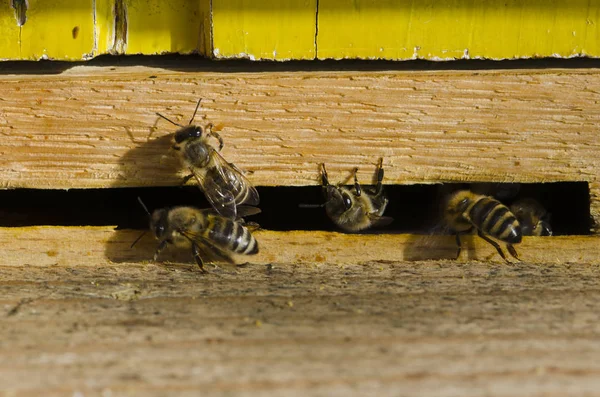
[{"x": 316, "y": 311}]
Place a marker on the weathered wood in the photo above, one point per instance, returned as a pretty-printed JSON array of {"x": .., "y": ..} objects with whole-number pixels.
[
  {"x": 96, "y": 127},
  {"x": 90, "y": 127},
  {"x": 93, "y": 246},
  {"x": 396, "y": 330}
]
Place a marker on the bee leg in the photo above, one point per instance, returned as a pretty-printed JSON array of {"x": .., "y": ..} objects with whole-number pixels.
[
  {"x": 379, "y": 188},
  {"x": 186, "y": 179},
  {"x": 324, "y": 178},
  {"x": 458, "y": 243},
  {"x": 210, "y": 132},
  {"x": 458, "y": 246},
  {"x": 495, "y": 244},
  {"x": 198, "y": 257},
  {"x": 356, "y": 184},
  {"x": 512, "y": 251},
  {"x": 160, "y": 247}
]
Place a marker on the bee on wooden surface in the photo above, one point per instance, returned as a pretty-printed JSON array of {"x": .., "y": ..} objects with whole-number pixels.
[
  {"x": 534, "y": 219},
  {"x": 465, "y": 210},
  {"x": 223, "y": 184},
  {"x": 211, "y": 237},
  {"x": 352, "y": 208}
]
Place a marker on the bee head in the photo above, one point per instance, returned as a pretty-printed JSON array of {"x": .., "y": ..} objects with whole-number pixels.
[
  {"x": 338, "y": 200},
  {"x": 158, "y": 222},
  {"x": 459, "y": 202},
  {"x": 188, "y": 132}
]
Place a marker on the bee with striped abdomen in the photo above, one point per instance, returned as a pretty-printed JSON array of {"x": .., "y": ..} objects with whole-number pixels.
[
  {"x": 211, "y": 237},
  {"x": 223, "y": 184},
  {"x": 353, "y": 208},
  {"x": 533, "y": 217},
  {"x": 465, "y": 210}
]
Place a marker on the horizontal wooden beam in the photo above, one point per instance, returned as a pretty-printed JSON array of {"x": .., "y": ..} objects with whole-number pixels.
[
  {"x": 299, "y": 29},
  {"x": 397, "y": 329},
  {"x": 97, "y": 127},
  {"x": 93, "y": 246}
]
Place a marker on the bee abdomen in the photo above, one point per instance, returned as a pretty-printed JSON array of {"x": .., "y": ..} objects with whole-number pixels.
[
  {"x": 495, "y": 219},
  {"x": 233, "y": 236}
]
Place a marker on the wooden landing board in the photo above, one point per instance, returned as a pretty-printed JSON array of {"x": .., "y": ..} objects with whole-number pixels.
[
  {"x": 98, "y": 246},
  {"x": 399, "y": 330},
  {"x": 96, "y": 127}
]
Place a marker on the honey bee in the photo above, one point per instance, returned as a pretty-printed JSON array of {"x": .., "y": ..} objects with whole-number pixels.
[
  {"x": 465, "y": 210},
  {"x": 223, "y": 184},
  {"x": 534, "y": 219},
  {"x": 353, "y": 209},
  {"x": 209, "y": 236}
]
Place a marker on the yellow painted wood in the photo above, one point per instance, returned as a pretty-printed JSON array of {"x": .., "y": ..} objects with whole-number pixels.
[
  {"x": 260, "y": 29},
  {"x": 105, "y": 26},
  {"x": 452, "y": 29},
  {"x": 58, "y": 29},
  {"x": 294, "y": 29},
  {"x": 158, "y": 26},
  {"x": 10, "y": 37}
]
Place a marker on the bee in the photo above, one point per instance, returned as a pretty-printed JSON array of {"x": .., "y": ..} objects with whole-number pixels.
[
  {"x": 209, "y": 235},
  {"x": 465, "y": 210},
  {"x": 353, "y": 209},
  {"x": 223, "y": 184},
  {"x": 534, "y": 219}
]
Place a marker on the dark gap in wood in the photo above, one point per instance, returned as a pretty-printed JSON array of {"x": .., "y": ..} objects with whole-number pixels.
[
  {"x": 415, "y": 208},
  {"x": 198, "y": 63}
]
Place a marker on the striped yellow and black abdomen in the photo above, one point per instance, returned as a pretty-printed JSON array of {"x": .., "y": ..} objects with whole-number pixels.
[
  {"x": 495, "y": 219},
  {"x": 230, "y": 235}
]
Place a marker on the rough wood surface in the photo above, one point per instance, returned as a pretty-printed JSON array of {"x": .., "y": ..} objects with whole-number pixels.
[
  {"x": 90, "y": 126},
  {"x": 94, "y": 246},
  {"x": 398, "y": 329}
]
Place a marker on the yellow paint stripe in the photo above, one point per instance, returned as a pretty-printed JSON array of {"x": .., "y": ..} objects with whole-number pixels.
[
  {"x": 261, "y": 29},
  {"x": 58, "y": 29},
  {"x": 282, "y": 30},
  {"x": 10, "y": 38},
  {"x": 159, "y": 26},
  {"x": 451, "y": 29}
]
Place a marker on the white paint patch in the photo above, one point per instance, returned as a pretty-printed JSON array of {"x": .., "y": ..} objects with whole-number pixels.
[
  {"x": 216, "y": 52},
  {"x": 416, "y": 52},
  {"x": 466, "y": 54}
]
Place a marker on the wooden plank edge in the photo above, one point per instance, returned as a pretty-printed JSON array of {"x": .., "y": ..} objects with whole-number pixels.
[
  {"x": 97, "y": 127},
  {"x": 101, "y": 246}
]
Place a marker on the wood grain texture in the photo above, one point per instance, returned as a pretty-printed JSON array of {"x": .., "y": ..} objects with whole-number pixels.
[
  {"x": 96, "y": 126},
  {"x": 94, "y": 246},
  {"x": 464, "y": 330},
  {"x": 90, "y": 127}
]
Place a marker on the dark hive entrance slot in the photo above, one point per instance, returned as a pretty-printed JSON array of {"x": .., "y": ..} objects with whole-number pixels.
[{"x": 414, "y": 208}]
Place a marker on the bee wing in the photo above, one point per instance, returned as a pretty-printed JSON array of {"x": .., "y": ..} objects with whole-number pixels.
[
  {"x": 242, "y": 211},
  {"x": 221, "y": 182},
  {"x": 379, "y": 221},
  {"x": 437, "y": 243},
  {"x": 211, "y": 252},
  {"x": 237, "y": 178},
  {"x": 220, "y": 198},
  {"x": 246, "y": 210}
]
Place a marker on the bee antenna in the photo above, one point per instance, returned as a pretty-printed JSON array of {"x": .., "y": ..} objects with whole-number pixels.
[
  {"x": 311, "y": 205},
  {"x": 144, "y": 206},
  {"x": 170, "y": 121},
  {"x": 138, "y": 239},
  {"x": 195, "y": 111}
]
